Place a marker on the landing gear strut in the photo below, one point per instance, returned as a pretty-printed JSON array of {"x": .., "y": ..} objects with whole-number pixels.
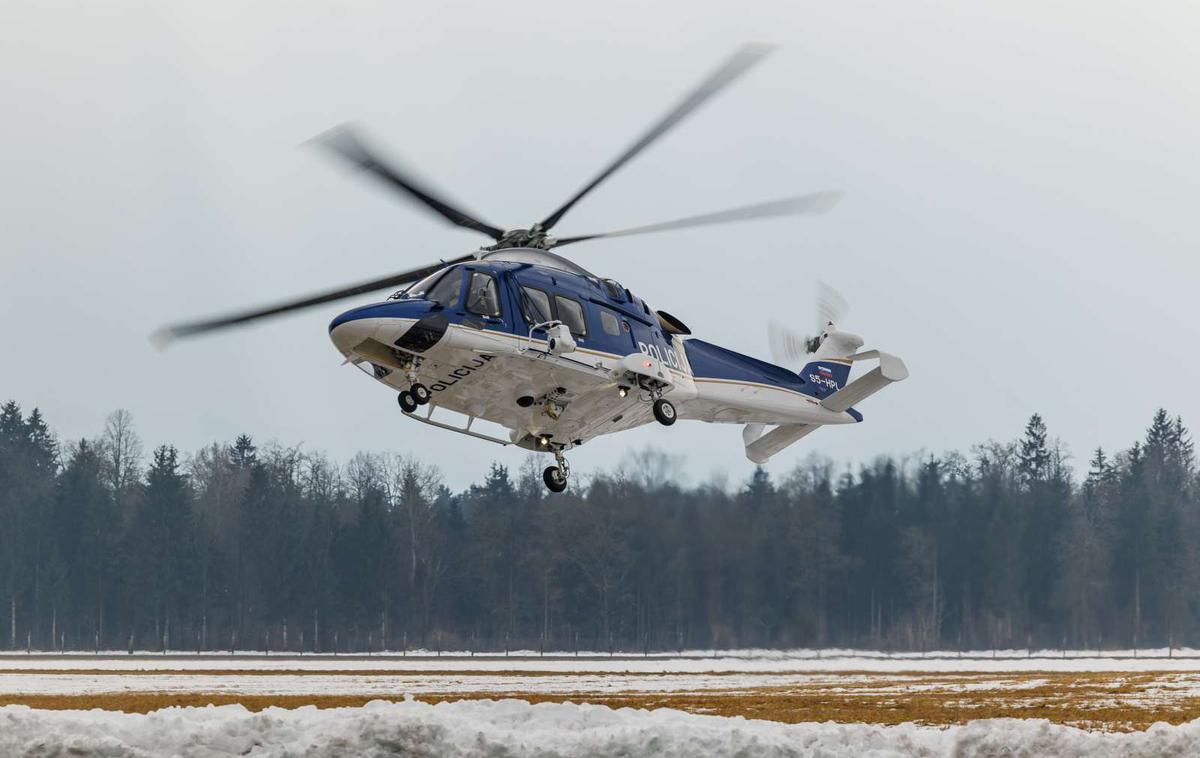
[{"x": 555, "y": 477}]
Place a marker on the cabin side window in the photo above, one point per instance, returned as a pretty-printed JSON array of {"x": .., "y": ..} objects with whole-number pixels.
[
  {"x": 483, "y": 298},
  {"x": 535, "y": 305},
  {"x": 610, "y": 323},
  {"x": 570, "y": 313},
  {"x": 448, "y": 291}
]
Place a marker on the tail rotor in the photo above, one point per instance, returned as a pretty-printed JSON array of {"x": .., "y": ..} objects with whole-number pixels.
[{"x": 790, "y": 349}]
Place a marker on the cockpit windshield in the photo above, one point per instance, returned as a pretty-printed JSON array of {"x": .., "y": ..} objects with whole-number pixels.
[{"x": 417, "y": 291}]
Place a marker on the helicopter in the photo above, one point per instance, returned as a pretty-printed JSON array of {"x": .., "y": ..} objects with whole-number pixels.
[{"x": 520, "y": 336}]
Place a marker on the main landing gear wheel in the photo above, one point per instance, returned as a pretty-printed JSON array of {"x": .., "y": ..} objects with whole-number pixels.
[
  {"x": 408, "y": 403},
  {"x": 554, "y": 479},
  {"x": 420, "y": 393},
  {"x": 664, "y": 412},
  {"x": 555, "y": 476}
]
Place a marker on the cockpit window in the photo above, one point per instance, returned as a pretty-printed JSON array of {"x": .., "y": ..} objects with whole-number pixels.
[
  {"x": 483, "y": 297},
  {"x": 535, "y": 304},
  {"x": 448, "y": 291},
  {"x": 417, "y": 291}
]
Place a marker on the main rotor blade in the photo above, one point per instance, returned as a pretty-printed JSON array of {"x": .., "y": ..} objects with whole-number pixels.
[
  {"x": 819, "y": 202},
  {"x": 743, "y": 59},
  {"x": 343, "y": 141},
  {"x": 168, "y": 334}
]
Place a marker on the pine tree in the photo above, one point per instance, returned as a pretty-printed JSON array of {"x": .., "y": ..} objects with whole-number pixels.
[
  {"x": 1160, "y": 435},
  {"x": 243, "y": 453},
  {"x": 1100, "y": 471},
  {"x": 12, "y": 424},
  {"x": 86, "y": 528},
  {"x": 759, "y": 488},
  {"x": 1033, "y": 454},
  {"x": 161, "y": 545}
]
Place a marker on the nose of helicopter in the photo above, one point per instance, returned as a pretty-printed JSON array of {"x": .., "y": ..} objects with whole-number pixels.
[
  {"x": 386, "y": 322},
  {"x": 351, "y": 328}
]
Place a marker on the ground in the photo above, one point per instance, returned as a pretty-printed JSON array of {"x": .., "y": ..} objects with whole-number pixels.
[
  {"x": 749, "y": 703},
  {"x": 1113, "y": 693}
]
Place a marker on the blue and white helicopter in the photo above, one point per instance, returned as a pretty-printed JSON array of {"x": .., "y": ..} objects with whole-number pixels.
[{"x": 517, "y": 335}]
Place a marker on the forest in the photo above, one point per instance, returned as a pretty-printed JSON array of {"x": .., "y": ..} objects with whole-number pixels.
[{"x": 236, "y": 546}]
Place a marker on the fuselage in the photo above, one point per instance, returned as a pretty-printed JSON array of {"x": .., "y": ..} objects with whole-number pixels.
[{"x": 471, "y": 334}]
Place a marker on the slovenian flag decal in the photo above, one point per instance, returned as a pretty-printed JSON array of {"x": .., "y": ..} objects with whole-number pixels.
[{"x": 825, "y": 371}]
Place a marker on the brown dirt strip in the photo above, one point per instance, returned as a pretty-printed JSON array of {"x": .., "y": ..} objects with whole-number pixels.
[{"x": 1109, "y": 701}]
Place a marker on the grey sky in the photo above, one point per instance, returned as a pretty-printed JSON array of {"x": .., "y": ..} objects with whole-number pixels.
[{"x": 1018, "y": 223}]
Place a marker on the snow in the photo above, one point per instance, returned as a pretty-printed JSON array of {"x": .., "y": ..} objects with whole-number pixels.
[
  {"x": 599, "y": 685},
  {"x": 70, "y": 683},
  {"x": 1173, "y": 680},
  {"x": 514, "y": 728},
  {"x": 688, "y": 662}
]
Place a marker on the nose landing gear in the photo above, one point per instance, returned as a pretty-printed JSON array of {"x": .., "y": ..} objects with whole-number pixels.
[
  {"x": 555, "y": 477},
  {"x": 415, "y": 396},
  {"x": 408, "y": 403},
  {"x": 420, "y": 393}
]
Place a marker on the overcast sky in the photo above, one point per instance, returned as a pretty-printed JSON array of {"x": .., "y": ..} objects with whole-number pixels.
[{"x": 1018, "y": 225}]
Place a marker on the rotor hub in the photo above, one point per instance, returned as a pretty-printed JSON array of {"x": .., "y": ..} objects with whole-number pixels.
[{"x": 533, "y": 237}]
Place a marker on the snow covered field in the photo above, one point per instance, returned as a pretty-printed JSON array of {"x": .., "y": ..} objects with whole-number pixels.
[
  {"x": 429, "y": 674},
  {"x": 514, "y": 729},
  {"x": 688, "y": 662},
  {"x": 840, "y": 702}
]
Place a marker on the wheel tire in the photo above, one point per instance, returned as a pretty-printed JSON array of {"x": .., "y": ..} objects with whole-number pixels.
[
  {"x": 554, "y": 479},
  {"x": 407, "y": 403},
  {"x": 664, "y": 412},
  {"x": 420, "y": 393}
]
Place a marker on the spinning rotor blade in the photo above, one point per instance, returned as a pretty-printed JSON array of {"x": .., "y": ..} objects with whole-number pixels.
[
  {"x": 790, "y": 349},
  {"x": 737, "y": 65},
  {"x": 831, "y": 306},
  {"x": 819, "y": 202},
  {"x": 166, "y": 335},
  {"x": 348, "y": 145}
]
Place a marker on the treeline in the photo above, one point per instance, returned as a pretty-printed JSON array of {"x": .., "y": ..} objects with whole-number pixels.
[{"x": 239, "y": 547}]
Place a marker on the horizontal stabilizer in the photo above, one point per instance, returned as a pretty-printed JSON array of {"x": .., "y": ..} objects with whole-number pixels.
[
  {"x": 890, "y": 369},
  {"x": 761, "y": 449}
]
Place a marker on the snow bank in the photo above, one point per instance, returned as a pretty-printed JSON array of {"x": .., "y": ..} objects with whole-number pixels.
[{"x": 513, "y": 728}]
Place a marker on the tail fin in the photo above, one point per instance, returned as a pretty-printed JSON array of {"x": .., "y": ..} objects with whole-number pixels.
[{"x": 830, "y": 368}]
